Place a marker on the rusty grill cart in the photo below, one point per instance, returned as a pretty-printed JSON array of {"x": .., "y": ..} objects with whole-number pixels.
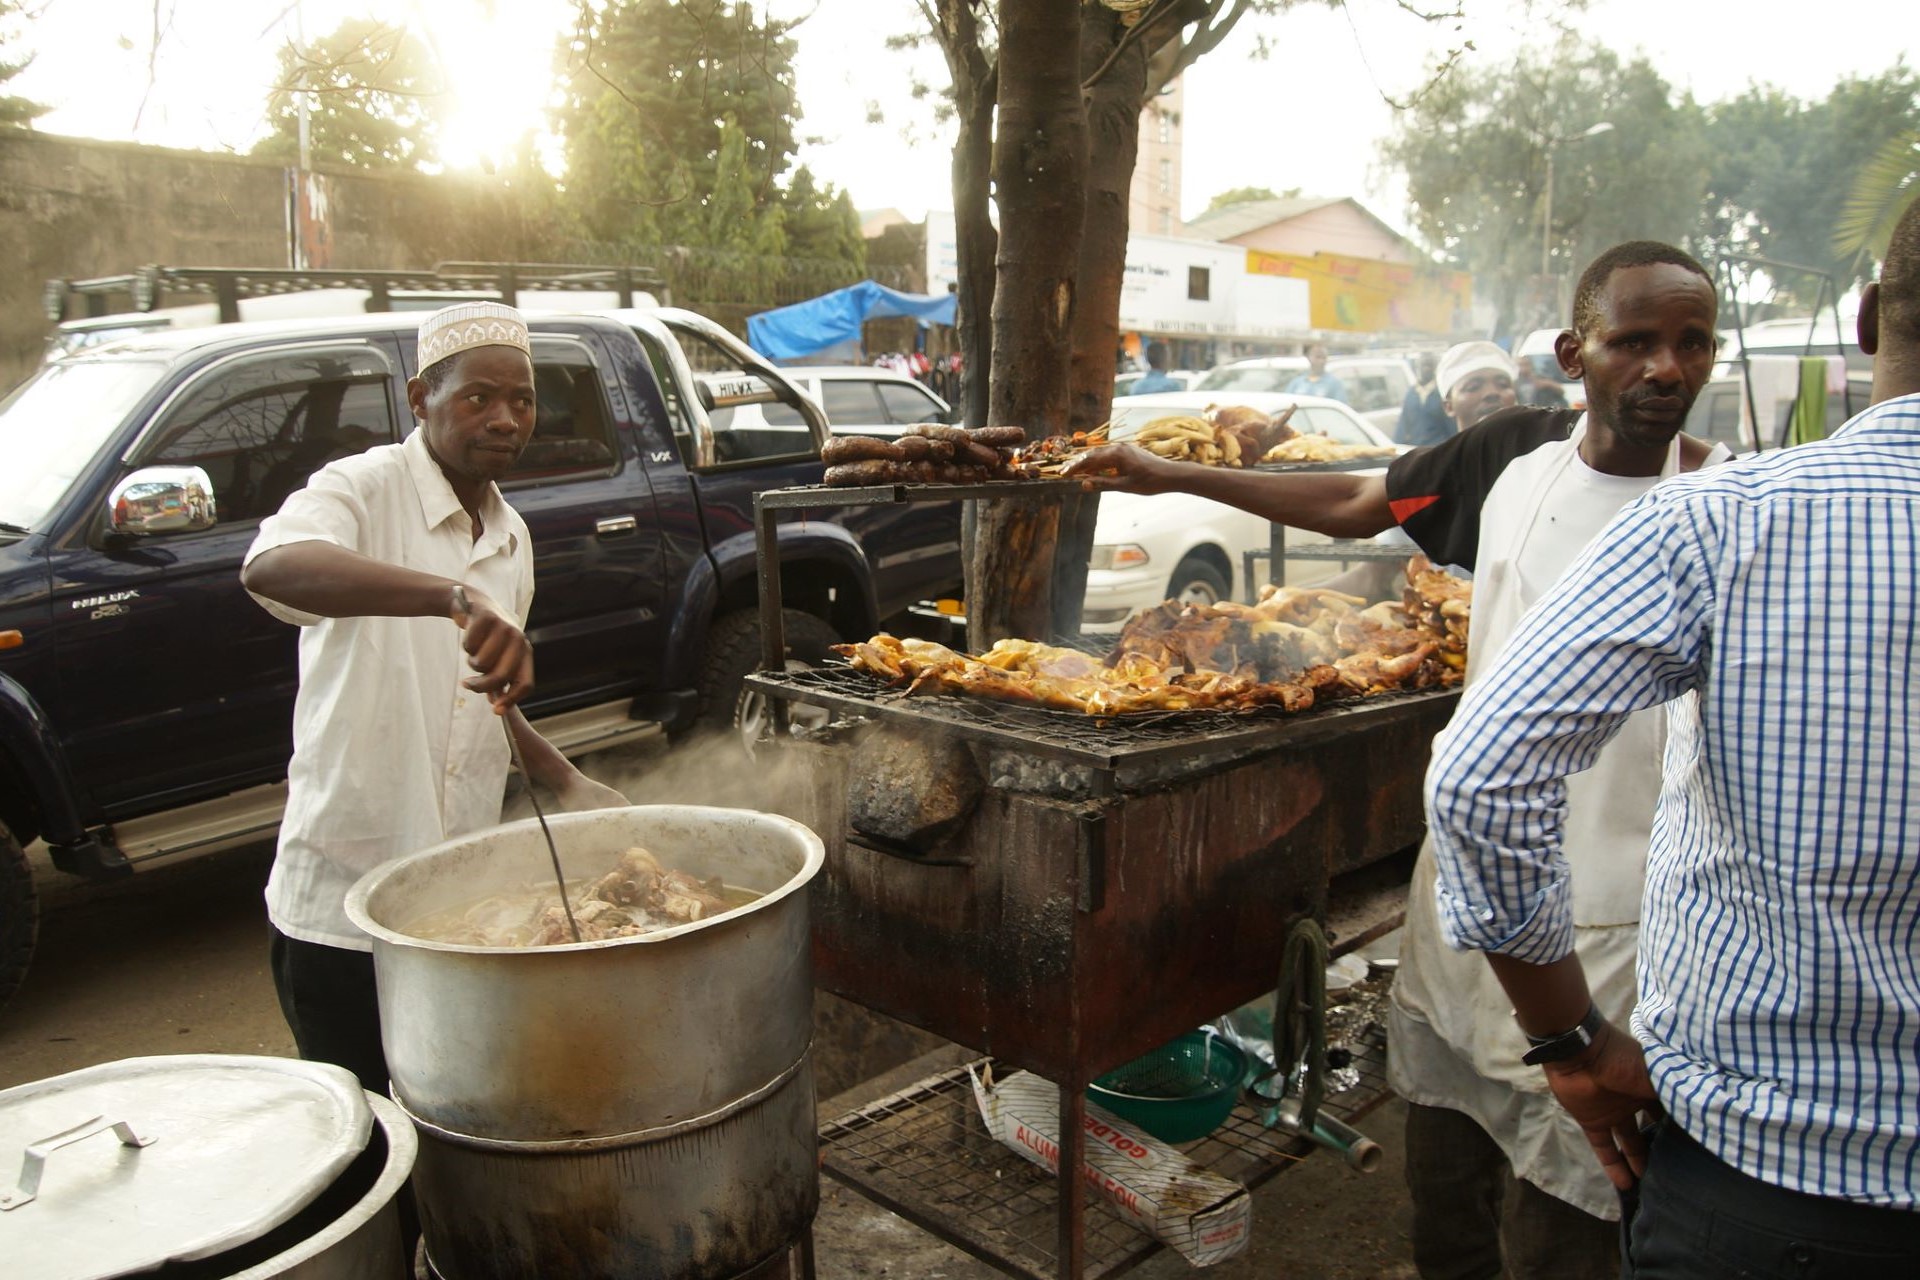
[{"x": 1119, "y": 881}]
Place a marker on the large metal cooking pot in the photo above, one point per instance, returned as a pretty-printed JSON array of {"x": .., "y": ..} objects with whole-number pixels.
[
  {"x": 208, "y": 1167},
  {"x": 638, "y": 1106}
]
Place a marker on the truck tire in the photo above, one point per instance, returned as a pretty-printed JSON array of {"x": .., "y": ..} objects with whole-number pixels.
[
  {"x": 733, "y": 653},
  {"x": 19, "y": 914}
]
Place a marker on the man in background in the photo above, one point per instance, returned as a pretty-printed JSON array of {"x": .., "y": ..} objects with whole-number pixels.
[
  {"x": 1531, "y": 388},
  {"x": 1423, "y": 417},
  {"x": 1156, "y": 378},
  {"x": 1316, "y": 381}
]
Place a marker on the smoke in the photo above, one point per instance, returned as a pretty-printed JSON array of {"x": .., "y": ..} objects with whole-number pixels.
[{"x": 706, "y": 769}]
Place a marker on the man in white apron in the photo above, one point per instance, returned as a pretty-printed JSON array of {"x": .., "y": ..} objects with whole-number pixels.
[{"x": 1502, "y": 1181}]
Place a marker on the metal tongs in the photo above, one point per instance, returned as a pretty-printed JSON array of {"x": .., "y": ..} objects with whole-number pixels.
[{"x": 553, "y": 852}]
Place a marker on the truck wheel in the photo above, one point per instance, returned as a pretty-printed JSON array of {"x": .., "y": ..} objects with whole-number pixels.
[
  {"x": 19, "y": 914},
  {"x": 733, "y": 653}
]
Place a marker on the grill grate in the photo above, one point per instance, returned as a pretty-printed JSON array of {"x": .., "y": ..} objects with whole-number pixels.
[
  {"x": 925, "y": 1154},
  {"x": 1102, "y": 741}
]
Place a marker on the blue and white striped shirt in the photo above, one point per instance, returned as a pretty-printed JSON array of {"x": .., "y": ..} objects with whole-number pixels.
[{"x": 1780, "y": 945}]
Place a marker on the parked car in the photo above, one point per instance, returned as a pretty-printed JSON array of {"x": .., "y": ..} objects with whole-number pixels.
[
  {"x": 1716, "y": 412},
  {"x": 1376, "y": 384},
  {"x": 1123, "y": 383},
  {"x": 857, "y": 400},
  {"x": 1174, "y": 546},
  {"x": 146, "y": 701}
]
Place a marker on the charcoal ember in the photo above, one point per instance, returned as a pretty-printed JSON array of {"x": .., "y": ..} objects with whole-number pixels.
[{"x": 911, "y": 788}]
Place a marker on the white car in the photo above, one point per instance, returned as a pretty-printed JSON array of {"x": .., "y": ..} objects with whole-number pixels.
[
  {"x": 857, "y": 399},
  {"x": 1123, "y": 382},
  {"x": 1376, "y": 384},
  {"x": 1173, "y": 546}
]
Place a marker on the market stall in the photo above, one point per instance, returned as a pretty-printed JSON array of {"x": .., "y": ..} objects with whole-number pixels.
[{"x": 1064, "y": 892}]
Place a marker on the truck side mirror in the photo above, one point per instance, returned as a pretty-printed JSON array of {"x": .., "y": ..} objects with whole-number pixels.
[{"x": 162, "y": 500}]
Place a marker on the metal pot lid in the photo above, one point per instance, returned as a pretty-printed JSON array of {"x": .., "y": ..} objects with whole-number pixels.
[{"x": 120, "y": 1168}]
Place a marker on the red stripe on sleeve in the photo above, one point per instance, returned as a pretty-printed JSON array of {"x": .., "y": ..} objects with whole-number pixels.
[{"x": 1405, "y": 508}]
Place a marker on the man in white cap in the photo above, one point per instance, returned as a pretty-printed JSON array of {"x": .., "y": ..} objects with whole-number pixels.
[
  {"x": 1475, "y": 381},
  {"x": 1501, "y": 1178},
  {"x": 392, "y": 563}
]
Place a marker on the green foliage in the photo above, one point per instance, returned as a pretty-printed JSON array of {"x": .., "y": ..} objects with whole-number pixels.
[
  {"x": 15, "y": 112},
  {"x": 374, "y": 92},
  {"x": 678, "y": 120},
  {"x": 1474, "y": 151},
  {"x": 1882, "y": 191},
  {"x": 1781, "y": 169}
]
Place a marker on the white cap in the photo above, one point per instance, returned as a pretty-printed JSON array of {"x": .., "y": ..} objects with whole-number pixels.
[
  {"x": 451, "y": 330},
  {"x": 1466, "y": 358}
]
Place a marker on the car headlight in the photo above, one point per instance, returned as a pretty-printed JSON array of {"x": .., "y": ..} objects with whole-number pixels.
[{"x": 1117, "y": 555}]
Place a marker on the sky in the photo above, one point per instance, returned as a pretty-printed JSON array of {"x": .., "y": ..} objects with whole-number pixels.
[{"x": 1307, "y": 115}]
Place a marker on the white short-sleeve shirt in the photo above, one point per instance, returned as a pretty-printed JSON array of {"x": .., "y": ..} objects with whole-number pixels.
[{"x": 390, "y": 753}]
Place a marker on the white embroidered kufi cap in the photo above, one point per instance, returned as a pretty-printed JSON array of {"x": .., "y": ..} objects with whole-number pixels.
[
  {"x": 451, "y": 330},
  {"x": 1466, "y": 358}
]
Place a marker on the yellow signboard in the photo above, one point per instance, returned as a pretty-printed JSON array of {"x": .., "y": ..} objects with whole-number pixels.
[{"x": 1361, "y": 295}]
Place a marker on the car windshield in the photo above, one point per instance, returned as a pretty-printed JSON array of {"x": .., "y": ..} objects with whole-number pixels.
[
  {"x": 53, "y": 425},
  {"x": 1257, "y": 378}
]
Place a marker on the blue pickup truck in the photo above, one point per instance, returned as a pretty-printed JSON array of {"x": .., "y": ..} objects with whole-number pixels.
[{"x": 146, "y": 700}]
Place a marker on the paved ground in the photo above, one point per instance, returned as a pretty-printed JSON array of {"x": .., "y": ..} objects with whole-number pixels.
[{"x": 174, "y": 961}]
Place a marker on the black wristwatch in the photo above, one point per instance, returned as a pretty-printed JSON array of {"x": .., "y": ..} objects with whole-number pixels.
[{"x": 1568, "y": 1043}]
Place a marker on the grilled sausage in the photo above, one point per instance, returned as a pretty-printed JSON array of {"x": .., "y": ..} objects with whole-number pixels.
[
  {"x": 975, "y": 454},
  {"x": 940, "y": 431},
  {"x": 999, "y": 437},
  {"x": 914, "y": 448},
  {"x": 860, "y": 449},
  {"x": 866, "y": 471}
]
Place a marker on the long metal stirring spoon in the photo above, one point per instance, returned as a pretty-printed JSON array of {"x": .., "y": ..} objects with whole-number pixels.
[{"x": 513, "y": 748}]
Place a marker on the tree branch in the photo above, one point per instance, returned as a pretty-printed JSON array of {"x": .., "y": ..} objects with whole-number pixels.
[
  {"x": 1208, "y": 38},
  {"x": 1137, "y": 31}
]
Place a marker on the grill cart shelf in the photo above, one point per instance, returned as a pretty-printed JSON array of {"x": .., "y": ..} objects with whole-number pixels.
[{"x": 1117, "y": 882}]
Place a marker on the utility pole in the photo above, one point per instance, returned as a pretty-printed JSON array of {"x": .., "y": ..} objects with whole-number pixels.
[{"x": 1546, "y": 214}]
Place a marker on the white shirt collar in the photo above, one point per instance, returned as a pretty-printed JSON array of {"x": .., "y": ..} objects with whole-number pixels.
[{"x": 439, "y": 503}]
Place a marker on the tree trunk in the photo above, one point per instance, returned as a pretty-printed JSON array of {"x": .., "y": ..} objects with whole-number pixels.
[
  {"x": 976, "y": 241},
  {"x": 1039, "y": 171},
  {"x": 1113, "y": 106}
]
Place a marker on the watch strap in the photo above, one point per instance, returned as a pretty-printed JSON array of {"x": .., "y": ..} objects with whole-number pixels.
[{"x": 1565, "y": 1044}]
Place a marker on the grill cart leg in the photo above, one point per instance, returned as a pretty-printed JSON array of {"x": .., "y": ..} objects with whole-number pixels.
[{"x": 1073, "y": 1185}]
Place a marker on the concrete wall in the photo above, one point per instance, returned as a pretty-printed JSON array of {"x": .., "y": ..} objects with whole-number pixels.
[{"x": 74, "y": 208}]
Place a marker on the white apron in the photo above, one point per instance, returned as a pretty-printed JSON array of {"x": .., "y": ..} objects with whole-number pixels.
[{"x": 1449, "y": 1011}]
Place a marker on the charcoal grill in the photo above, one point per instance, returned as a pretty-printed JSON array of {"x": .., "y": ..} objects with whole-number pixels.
[{"x": 1121, "y": 880}]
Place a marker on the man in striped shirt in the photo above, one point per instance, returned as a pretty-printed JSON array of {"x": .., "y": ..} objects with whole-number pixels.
[
  {"x": 1775, "y": 603},
  {"x": 1498, "y": 1174}
]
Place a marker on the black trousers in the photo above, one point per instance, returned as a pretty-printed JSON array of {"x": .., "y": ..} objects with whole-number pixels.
[
  {"x": 1473, "y": 1220},
  {"x": 1699, "y": 1218},
  {"x": 328, "y": 997}
]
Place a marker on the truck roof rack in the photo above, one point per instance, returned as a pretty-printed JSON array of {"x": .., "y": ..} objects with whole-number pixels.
[{"x": 148, "y": 287}]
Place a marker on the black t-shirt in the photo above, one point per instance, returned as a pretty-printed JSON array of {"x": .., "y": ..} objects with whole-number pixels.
[{"x": 1436, "y": 493}]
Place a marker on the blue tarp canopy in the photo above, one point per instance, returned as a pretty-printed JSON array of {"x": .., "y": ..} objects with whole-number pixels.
[{"x": 789, "y": 333}]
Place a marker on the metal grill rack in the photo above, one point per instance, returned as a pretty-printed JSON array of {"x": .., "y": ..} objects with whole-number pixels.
[
  {"x": 768, "y": 504},
  {"x": 925, "y": 1154},
  {"x": 1101, "y": 742}
]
